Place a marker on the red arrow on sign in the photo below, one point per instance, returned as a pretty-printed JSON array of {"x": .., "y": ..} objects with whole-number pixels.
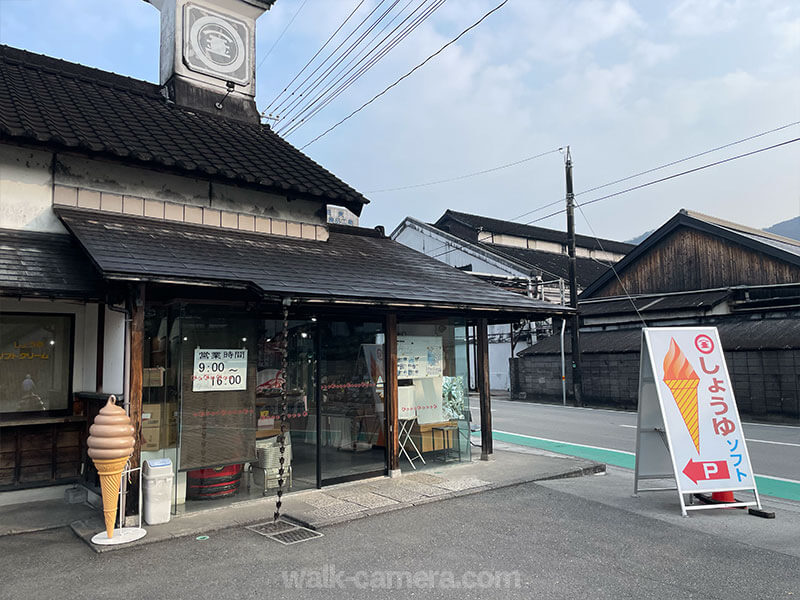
[{"x": 703, "y": 471}]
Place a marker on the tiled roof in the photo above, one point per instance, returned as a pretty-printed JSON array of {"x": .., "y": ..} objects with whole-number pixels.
[
  {"x": 67, "y": 106},
  {"x": 480, "y": 223},
  {"x": 45, "y": 264},
  {"x": 552, "y": 264},
  {"x": 735, "y": 334},
  {"x": 652, "y": 303},
  {"x": 354, "y": 264}
]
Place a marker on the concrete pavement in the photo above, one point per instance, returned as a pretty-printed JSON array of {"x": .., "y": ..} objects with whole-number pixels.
[
  {"x": 511, "y": 465},
  {"x": 553, "y": 543}
]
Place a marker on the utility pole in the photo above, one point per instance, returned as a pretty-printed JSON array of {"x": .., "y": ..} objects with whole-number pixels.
[{"x": 577, "y": 375}]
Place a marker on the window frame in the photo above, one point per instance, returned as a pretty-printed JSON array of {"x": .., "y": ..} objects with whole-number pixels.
[{"x": 61, "y": 412}]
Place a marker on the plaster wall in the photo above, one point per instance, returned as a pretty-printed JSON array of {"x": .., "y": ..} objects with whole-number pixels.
[
  {"x": 26, "y": 190},
  {"x": 113, "y": 353},
  {"x": 107, "y": 176}
]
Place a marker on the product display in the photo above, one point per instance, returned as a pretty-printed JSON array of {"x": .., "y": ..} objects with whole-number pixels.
[{"x": 111, "y": 441}]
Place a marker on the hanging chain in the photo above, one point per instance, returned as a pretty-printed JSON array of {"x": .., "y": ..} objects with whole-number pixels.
[{"x": 284, "y": 409}]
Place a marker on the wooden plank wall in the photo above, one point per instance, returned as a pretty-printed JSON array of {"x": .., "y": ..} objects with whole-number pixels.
[{"x": 692, "y": 260}]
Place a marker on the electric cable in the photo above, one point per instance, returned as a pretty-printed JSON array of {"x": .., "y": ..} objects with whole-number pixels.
[
  {"x": 419, "y": 66},
  {"x": 467, "y": 175},
  {"x": 355, "y": 72},
  {"x": 328, "y": 57},
  {"x": 275, "y": 43},
  {"x": 348, "y": 69},
  {"x": 317, "y": 53},
  {"x": 337, "y": 60}
]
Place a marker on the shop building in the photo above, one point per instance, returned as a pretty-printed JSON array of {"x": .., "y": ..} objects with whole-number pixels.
[{"x": 159, "y": 243}]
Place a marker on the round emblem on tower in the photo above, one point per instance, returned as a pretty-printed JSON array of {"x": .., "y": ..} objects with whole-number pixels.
[{"x": 217, "y": 44}]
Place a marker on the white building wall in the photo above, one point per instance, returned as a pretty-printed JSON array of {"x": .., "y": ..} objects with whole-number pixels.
[
  {"x": 27, "y": 187},
  {"x": 114, "y": 352},
  {"x": 26, "y": 190},
  {"x": 450, "y": 253}
]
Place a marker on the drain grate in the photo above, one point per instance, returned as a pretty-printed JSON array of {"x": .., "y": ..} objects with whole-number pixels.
[
  {"x": 271, "y": 528},
  {"x": 294, "y": 536},
  {"x": 284, "y": 532}
]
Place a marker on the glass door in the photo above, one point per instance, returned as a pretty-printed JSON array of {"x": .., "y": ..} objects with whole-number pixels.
[{"x": 352, "y": 419}]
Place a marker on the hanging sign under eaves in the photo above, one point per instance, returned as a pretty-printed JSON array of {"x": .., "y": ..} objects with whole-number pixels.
[{"x": 688, "y": 423}]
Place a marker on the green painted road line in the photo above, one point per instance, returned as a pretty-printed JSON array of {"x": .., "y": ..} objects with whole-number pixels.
[{"x": 768, "y": 486}]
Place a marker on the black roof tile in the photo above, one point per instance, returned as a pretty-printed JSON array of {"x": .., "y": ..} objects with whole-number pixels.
[
  {"x": 479, "y": 223},
  {"x": 550, "y": 263},
  {"x": 354, "y": 264},
  {"x": 69, "y": 106},
  {"x": 735, "y": 334},
  {"x": 45, "y": 264}
]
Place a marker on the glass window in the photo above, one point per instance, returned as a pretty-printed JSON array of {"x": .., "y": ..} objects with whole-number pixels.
[
  {"x": 35, "y": 362},
  {"x": 433, "y": 401},
  {"x": 300, "y": 450},
  {"x": 352, "y": 411},
  {"x": 218, "y": 380}
]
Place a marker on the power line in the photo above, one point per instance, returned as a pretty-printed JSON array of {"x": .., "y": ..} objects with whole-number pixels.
[
  {"x": 467, "y": 175},
  {"x": 655, "y": 181},
  {"x": 326, "y": 74},
  {"x": 329, "y": 56},
  {"x": 420, "y": 65},
  {"x": 700, "y": 168},
  {"x": 374, "y": 55},
  {"x": 317, "y": 53},
  {"x": 275, "y": 43},
  {"x": 352, "y": 72},
  {"x": 675, "y": 162},
  {"x": 658, "y": 168},
  {"x": 612, "y": 267}
]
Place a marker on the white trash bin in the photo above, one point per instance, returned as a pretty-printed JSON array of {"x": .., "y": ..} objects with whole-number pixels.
[{"x": 157, "y": 476}]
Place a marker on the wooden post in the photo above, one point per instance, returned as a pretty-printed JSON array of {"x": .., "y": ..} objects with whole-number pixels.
[
  {"x": 482, "y": 381},
  {"x": 136, "y": 373},
  {"x": 390, "y": 394}
]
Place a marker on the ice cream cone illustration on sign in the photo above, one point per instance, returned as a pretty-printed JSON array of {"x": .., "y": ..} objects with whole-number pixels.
[
  {"x": 682, "y": 381},
  {"x": 110, "y": 445}
]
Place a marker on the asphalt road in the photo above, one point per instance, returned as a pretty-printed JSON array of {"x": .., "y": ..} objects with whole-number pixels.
[
  {"x": 774, "y": 449},
  {"x": 547, "y": 544}
]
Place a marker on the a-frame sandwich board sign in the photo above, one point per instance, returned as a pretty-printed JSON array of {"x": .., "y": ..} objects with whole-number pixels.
[{"x": 688, "y": 425}]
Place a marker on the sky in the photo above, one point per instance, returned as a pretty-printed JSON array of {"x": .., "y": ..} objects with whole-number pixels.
[{"x": 628, "y": 86}]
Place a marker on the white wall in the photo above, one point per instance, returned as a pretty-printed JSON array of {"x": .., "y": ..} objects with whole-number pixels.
[
  {"x": 26, "y": 190},
  {"x": 114, "y": 353},
  {"x": 433, "y": 245}
]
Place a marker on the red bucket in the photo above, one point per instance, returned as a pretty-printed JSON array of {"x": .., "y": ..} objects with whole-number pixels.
[{"x": 209, "y": 484}]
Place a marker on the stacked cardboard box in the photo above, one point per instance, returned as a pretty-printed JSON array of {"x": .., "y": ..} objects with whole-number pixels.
[{"x": 151, "y": 426}]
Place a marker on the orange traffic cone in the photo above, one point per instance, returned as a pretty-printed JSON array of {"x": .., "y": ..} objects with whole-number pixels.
[{"x": 722, "y": 497}]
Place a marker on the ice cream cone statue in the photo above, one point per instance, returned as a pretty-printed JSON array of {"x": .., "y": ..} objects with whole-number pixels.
[
  {"x": 682, "y": 381},
  {"x": 110, "y": 445}
]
